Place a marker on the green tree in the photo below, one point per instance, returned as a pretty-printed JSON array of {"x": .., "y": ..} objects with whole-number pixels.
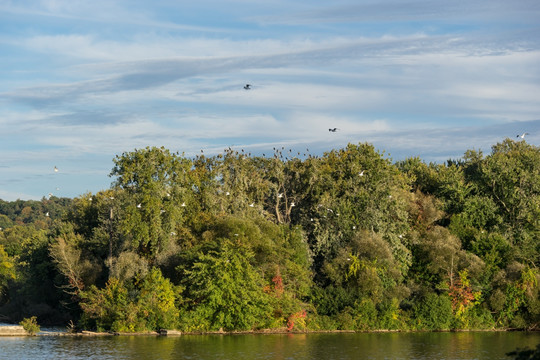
[
  {"x": 157, "y": 300},
  {"x": 7, "y": 270},
  {"x": 226, "y": 290},
  {"x": 154, "y": 187}
]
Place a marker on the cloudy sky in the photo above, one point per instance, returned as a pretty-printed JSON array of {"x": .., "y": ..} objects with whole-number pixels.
[{"x": 82, "y": 81}]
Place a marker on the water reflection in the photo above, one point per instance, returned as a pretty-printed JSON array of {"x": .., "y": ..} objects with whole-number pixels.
[{"x": 481, "y": 345}]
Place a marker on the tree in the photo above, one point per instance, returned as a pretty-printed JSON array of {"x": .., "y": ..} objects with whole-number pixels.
[
  {"x": 153, "y": 184},
  {"x": 225, "y": 289},
  {"x": 7, "y": 270}
]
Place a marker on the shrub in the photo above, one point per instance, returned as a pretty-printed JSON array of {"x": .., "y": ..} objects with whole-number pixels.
[
  {"x": 30, "y": 325},
  {"x": 434, "y": 312}
]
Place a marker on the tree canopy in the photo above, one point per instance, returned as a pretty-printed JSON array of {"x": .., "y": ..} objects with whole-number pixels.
[{"x": 346, "y": 240}]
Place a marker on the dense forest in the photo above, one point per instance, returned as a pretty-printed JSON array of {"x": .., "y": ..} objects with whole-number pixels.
[{"x": 344, "y": 241}]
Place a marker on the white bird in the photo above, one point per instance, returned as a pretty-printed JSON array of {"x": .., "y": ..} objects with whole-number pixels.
[
  {"x": 55, "y": 169},
  {"x": 139, "y": 205},
  {"x": 361, "y": 173},
  {"x": 292, "y": 204},
  {"x": 47, "y": 213},
  {"x": 173, "y": 233},
  {"x": 252, "y": 205},
  {"x": 162, "y": 211},
  {"x": 522, "y": 135},
  {"x": 183, "y": 204},
  {"x": 227, "y": 193},
  {"x": 354, "y": 227},
  {"x": 280, "y": 195}
]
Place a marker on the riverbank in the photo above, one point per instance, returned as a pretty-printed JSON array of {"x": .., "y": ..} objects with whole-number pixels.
[
  {"x": 165, "y": 332},
  {"x": 17, "y": 330},
  {"x": 12, "y": 330}
]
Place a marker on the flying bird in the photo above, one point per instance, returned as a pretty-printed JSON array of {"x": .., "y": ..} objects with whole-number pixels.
[
  {"x": 522, "y": 135},
  {"x": 333, "y": 129},
  {"x": 55, "y": 169},
  {"x": 247, "y": 87}
]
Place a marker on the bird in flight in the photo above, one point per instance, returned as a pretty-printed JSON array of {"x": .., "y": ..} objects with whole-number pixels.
[
  {"x": 247, "y": 86},
  {"x": 333, "y": 129},
  {"x": 522, "y": 135},
  {"x": 55, "y": 169}
]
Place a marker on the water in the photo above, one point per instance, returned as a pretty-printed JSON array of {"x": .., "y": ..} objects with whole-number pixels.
[{"x": 474, "y": 345}]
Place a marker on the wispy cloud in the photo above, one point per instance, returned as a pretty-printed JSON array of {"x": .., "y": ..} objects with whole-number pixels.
[{"x": 85, "y": 81}]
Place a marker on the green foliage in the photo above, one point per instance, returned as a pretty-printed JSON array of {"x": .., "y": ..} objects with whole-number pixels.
[
  {"x": 30, "y": 325},
  {"x": 152, "y": 184},
  {"x": 7, "y": 270},
  {"x": 366, "y": 315},
  {"x": 434, "y": 312},
  {"x": 227, "y": 289},
  {"x": 157, "y": 301},
  {"x": 346, "y": 240},
  {"x": 146, "y": 305}
]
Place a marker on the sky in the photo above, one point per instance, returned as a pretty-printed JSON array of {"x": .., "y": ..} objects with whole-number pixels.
[{"x": 84, "y": 81}]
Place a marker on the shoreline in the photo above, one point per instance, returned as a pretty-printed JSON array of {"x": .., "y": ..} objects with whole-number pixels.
[{"x": 173, "y": 333}]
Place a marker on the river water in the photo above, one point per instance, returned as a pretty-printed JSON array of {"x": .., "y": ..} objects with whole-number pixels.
[{"x": 328, "y": 346}]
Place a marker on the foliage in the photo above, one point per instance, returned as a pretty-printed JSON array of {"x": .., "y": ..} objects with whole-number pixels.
[
  {"x": 226, "y": 289},
  {"x": 345, "y": 240},
  {"x": 146, "y": 305},
  {"x": 30, "y": 325},
  {"x": 7, "y": 270},
  {"x": 434, "y": 312}
]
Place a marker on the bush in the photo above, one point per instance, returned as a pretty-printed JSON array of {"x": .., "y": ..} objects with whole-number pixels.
[
  {"x": 434, "y": 312},
  {"x": 30, "y": 325}
]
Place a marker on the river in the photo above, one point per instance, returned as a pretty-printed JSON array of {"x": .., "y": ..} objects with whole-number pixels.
[{"x": 327, "y": 346}]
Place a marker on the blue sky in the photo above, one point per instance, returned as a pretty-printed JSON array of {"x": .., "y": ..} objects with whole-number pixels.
[{"x": 83, "y": 81}]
